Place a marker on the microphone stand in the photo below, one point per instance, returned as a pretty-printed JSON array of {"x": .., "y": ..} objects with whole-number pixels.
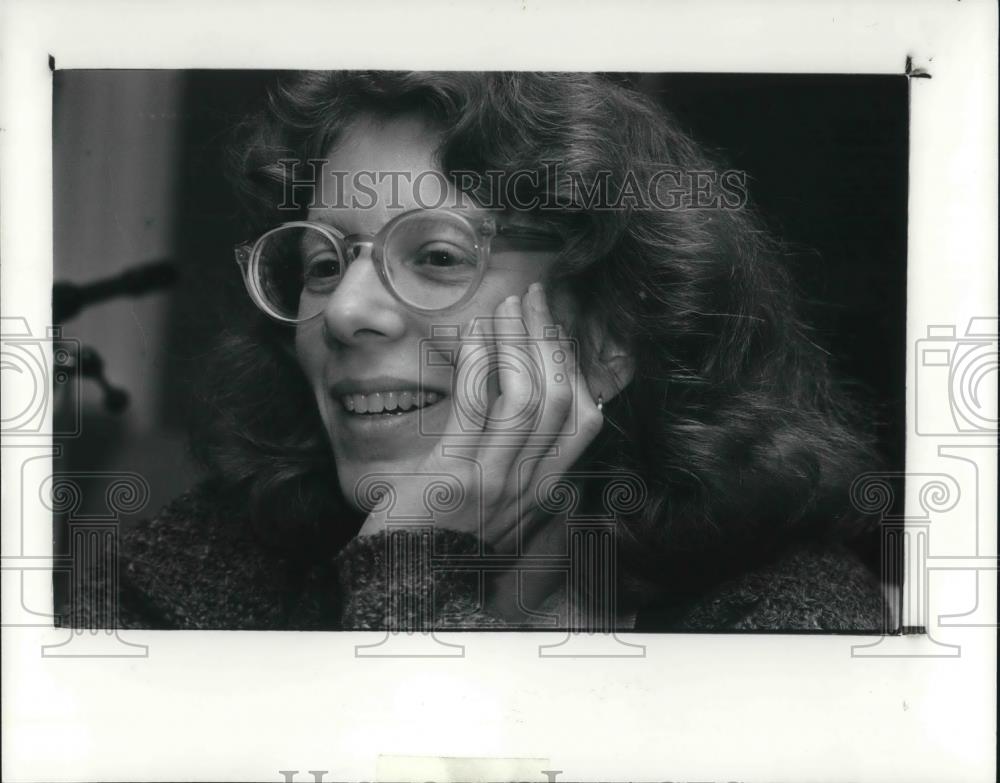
[{"x": 70, "y": 299}]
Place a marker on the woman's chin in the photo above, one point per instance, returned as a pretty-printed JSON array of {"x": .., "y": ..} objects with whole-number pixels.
[{"x": 367, "y": 445}]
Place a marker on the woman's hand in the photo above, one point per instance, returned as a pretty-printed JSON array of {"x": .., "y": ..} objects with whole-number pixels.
[{"x": 539, "y": 424}]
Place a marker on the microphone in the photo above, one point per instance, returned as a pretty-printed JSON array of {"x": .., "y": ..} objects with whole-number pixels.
[{"x": 68, "y": 299}]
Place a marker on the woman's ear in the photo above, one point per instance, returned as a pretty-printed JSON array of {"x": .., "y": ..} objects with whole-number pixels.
[{"x": 611, "y": 366}]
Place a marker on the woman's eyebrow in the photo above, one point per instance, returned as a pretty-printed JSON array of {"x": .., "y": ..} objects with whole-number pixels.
[
  {"x": 325, "y": 221},
  {"x": 347, "y": 230},
  {"x": 310, "y": 240}
]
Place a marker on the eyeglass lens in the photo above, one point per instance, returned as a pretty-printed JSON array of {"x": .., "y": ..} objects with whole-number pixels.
[{"x": 431, "y": 261}]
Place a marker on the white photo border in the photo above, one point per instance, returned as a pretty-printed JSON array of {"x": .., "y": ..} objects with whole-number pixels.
[{"x": 244, "y": 706}]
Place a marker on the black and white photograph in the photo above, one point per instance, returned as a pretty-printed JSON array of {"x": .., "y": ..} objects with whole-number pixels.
[
  {"x": 503, "y": 387},
  {"x": 500, "y": 350}
]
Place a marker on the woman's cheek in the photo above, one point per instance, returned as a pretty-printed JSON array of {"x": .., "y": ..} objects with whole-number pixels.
[{"x": 309, "y": 351}]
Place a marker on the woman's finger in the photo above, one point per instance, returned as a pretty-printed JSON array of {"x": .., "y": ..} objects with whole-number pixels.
[
  {"x": 512, "y": 418},
  {"x": 569, "y": 415},
  {"x": 539, "y": 399},
  {"x": 483, "y": 436},
  {"x": 557, "y": 366}
]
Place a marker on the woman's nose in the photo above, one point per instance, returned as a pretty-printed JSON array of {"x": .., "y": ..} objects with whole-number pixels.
[{"x": 360, "y": 308}]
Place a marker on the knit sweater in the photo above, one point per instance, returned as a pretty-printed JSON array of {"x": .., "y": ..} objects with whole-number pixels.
[{"x": 194, "y": 568}]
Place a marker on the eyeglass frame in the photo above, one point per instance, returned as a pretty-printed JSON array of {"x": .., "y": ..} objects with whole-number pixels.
[{"x": 487, "y": 227}]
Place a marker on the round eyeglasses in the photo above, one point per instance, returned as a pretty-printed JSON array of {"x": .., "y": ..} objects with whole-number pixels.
[{"x": 429, "y": 260}]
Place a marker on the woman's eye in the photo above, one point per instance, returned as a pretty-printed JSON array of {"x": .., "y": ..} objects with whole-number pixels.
[
  {"x": 321, "y": 269},
  {"x": 441, "y": 258}
]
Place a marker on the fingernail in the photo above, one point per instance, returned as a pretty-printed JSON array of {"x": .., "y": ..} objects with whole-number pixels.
[
  {"x": 512, "y": 300},
  {"x": 536, "y": 296}
]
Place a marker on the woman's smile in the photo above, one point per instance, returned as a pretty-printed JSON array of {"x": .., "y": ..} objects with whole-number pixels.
[
  {"x": 386, "y": 406},
  {"x": 389, "y": 402}
]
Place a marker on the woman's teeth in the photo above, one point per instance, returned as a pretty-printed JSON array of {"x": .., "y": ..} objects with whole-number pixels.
[{"x": 388, "y": 402}]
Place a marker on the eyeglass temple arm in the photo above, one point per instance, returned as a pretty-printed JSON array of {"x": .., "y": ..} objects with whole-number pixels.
[{"x": 242, "y": 254}]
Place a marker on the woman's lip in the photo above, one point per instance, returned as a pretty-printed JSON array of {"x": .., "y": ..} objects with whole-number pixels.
[
  {"x": 378, "y": 385},
  {"x": 394, "y": 423}
]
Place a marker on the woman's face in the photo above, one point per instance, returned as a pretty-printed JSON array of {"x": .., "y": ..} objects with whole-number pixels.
[{"x": 369, "y": 352}]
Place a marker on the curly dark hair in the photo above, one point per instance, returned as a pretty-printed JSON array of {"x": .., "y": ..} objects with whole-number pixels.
[{"x": 732, "y": 418}]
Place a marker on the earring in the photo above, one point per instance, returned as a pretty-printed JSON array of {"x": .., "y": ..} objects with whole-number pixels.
[{"x": 600, "y": 403}]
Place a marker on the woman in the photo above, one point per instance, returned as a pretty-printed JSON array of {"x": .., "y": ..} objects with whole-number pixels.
[{"x": 478, "y": 295}]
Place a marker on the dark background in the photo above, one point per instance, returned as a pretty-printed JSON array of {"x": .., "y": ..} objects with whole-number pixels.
[{"x": 827, "y": 164}]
